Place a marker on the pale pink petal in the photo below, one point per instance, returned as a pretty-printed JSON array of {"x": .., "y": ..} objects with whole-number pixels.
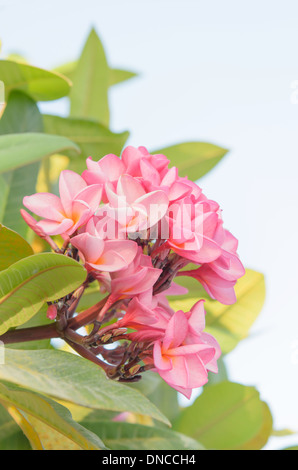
[
  {"x": 45, "y": 205},
  {"x": 179, "y": 374},
  {"x": 91, "y": 247},
  {"x": 149, "y": 172},
  {"x": 178, "y": 190},
  {"x": 197, "y": 317},
  {"x": 197, "y": 374},
  {"x": 153, "y": 205},
  {"x": 176, "y": 330},
  {"x": 91, "y": 195},
  {"x": 51, "y": 227},
  {"x": 130, "y": 188},
  {"x": 161, "y": 362},
  {"x": 70, "y": 183},
  {"x": 111, "y": 166},
  {"x": 187, "y": 349}
]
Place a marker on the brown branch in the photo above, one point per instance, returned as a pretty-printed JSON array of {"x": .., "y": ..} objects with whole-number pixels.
[{"x": 35, "y": 333}]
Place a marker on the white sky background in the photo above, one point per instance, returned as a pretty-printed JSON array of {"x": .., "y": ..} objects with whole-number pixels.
[{"x": 216, "y": 71}]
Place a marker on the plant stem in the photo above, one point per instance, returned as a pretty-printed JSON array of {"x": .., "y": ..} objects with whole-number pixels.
[
  {"x": 87, "y": 354},
  {"x": 88, "y": 316},
  {"x": 35, "y": 333}
]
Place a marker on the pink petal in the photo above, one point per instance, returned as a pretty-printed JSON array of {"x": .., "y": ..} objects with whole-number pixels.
[
  {"x": 91, "y": 195},
  {"x": 161, "y": 362},
  {"x": 197, "y": 317},
  {"x": 149, "y": 172},
  {"x": 130, "y": 188},
  {"x": 198, "y": 375},
  {"x": 51, "y": 227},
  {"x": 45, "y": 205},
  {"x": 111, "y": 166},
  {"x": 91, "y": 247},
  {"x": 117, "y": 255},
  {"x": 70, "y": 183},
  {"x": 179, "y": 374},
  {"x": 176, "y": 330},
  {"x": 154, "y": 205}
]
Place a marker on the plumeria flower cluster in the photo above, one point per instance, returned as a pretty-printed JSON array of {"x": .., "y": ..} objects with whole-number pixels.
[{"x": 136, "y": 225}]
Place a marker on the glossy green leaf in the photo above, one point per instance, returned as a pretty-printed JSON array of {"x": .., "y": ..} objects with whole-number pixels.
[
  {"x": 38, "y": 83},
  {"x": 21, "y": 115},
  {"x": 66, "y": 376},
  {"x": 226, "y": 416},
  {"x": 126, "y": 436},
  {"x": 193, "y": 159},
  {"x": 89, "y": 93},
  {"x": 30, "y": 282},
  {"x": 12, "y": 247},
  {"x": 17, "y": 150},
  {"x": 229, "y": 324},
  {"x": 92, "y": 138},
  {"x": 52, "y": 414}
]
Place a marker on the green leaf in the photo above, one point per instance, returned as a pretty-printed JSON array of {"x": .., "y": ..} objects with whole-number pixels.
[
  {"x": 21, "y": 115},
  {"x": 166, "y": 399},
  {"x": 92, "y": 138},
  {"x": 12, "y": 247},
  {"x": 193, "y": 159},
  {"x": 11, "y": 437},
  {"x": 50, "y": 413},
  {"x": 118, "y": 76},
  {"x": 229, "y": 324},
  {"x": 89, "y": 93},
  {"x": 226, "y": 416},
  {"x": 115, "y": 75},
  {"x": 149, "y": 383},
  {"x": 39, "y": 319},
  {"x": 261, "y": 438},
  {"x": 17, "y": 150},
  {"x": 30, "y": 282},
  {"x": 126, "y": 436},
  {"x": 91, "y": 296},
  {"x": 38, "y": 83},
  {"x": 66, "y": 376}
]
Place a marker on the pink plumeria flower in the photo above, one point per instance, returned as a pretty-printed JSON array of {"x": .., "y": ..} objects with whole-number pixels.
[
  {"x": 105, "y": 227},
  {"x": 139, "y": 277},
  {"x": 149, "y": 323},
  {"x": 215, "y": 286},
  {"x": 185, "y": 354},
  {"x": 64, "y": 215},
  {"x": 107, "y": 169},
  {"x": 166, "y": 180},
  {"x": 108, "y": 255},
  {"x": 191, "y": 230},
  {"x": 220, "y": 276},
  {"x": 133, "y": 208},
  {"x": 132, "y": 158}
]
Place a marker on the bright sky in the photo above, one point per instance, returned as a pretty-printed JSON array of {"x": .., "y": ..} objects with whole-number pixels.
[{"x": 213, "y": 71}]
